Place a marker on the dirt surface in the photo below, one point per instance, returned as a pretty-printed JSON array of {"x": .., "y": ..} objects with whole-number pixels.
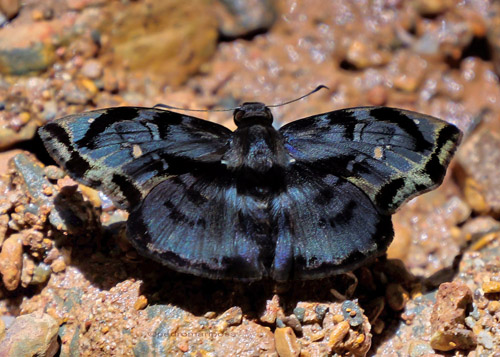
[{"x": 68, "y": 271}]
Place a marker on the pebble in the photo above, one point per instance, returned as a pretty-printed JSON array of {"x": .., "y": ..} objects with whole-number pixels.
[
  {"x": 246, "y": 17},
  {"x": 479, "y": 158},
  {"x": 178, "y": 44},
  {"x": 76, "y": 93},
  {"x": 448, "y": 327},
  {"x": 313, "y": 312},
  {"x": 41, "y": 274},
  {"x": 352, "y": 313},
  {"x": 338, "y": 334},
  {"x": 10, "y": 8},
  {"x": 2, "y": 329},
  {"x": 58, "y": 265},
  {"x": 484, "y": 338},
  {"x": 11, "y": 261},
  {"x": 286, "y": 342},
  {"x": 419, "y": 349},
  {"x": 33, "y": 334},
  {"x": 92, "y": 69},
  {"x": 293, "y": 322},
  {"x": 141, "y": 302},
  {"x": 233, "y": 316},
  {"x": 26, "y": 48},
  {"x": 377, "y": 95},
  {"x": 4, "y": 221},
  {"x": 271, "y": 312},
  {"x": 432, "y": 7},
  {"x": 491, "y": 287},
  {"x": 299, "y": 312}
]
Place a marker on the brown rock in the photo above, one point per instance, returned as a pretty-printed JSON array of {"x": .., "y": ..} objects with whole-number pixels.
[
  {"x": 479, "y": 158},
  {"x": 4, "y": 221},
  {"x": 449, "y": 331},
  {"x": 491, "y": 287},
  {"x": 31, "y": 335},
  {"x": 10, "y": 8},
  {"x": 141, "y": 302},
  {"x": 432, "y": 7},
  {"x": 26, "y": 48},
  {"x": 286, "y": 342},
  {"x": 58, "y": 265},
  {"x": 272, "y": 309},
  {"x": 11, "y": 261},
  {"x": 338, "y": 334},
  {"x": 175, "y": 42}
]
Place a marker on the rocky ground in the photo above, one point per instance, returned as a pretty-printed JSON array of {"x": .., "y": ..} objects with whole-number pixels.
[{"x": 72, "y": 284}]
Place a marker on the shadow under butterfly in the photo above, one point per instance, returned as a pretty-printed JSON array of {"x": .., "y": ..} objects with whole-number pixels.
[{"x": 307, "y": 201}]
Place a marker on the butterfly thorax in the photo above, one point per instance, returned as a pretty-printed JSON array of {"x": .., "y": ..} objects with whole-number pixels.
[{"x": 257, "y": 150}]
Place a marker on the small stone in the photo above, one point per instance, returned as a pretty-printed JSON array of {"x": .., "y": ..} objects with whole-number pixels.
[
  {"x": 484, "y": 338},
  {"x": 2, "y": 329},
  {"x": 286, "y": 342},
  {"x": 27, "y": 271},
  {"x": 338, "y": 334},
  {"x": 26, "y": 48},
  {"x": 11, "y": 261},
  {"x": 110, "y": 81},
  {"x": 41, "y": 274},
  {"x": 432, "y": 7},
  {"x": 313, "y": 312},
  {"x": 491, "y": 287},
  {"x": 396, "y": 296},
  {"x": 141, "y": 302},
  {"x": 352, "y": 313},
  {"x": 448, "y": 327},
  {"x": 4, "y": 221},
  {"x": 419, "y": 349},
  {"x": 377, "y": 95},
  {"x": 232, "y": 317},
  {"x": 474, "y": 195},
  {"x": 75, "y": 94},
  {"x": 271, "y": 312},
  {"x": 245, "y": 17},
  {"x": 10, "y": 8},
  {"x": 58, "y": 265},
  {"x": 493, "y": 306},
  {"x": 293, "y": 322},
  {"x": 299, "y": 312},
  {"x": 479, "y": 158},
  {"x": 33, "y": 334},
  {"x": 92, "y": 69}
]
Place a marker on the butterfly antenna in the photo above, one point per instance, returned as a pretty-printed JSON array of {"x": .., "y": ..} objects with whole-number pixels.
[
  {"x": 165, "y": 106},
  {"x": 299, "y": 98}
]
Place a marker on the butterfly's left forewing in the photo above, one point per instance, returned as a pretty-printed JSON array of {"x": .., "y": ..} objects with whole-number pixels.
[
  {"x": 126, "y": 151},
  {"x": 390, "y": 154}
]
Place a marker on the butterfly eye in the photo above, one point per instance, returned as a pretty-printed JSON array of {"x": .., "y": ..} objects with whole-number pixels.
[
  {"x": 253, "y": 113},
  {"x": 238, "y": 116}
]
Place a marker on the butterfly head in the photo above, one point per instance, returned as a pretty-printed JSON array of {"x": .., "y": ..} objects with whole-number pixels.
[{"x": 252, "y": 113}]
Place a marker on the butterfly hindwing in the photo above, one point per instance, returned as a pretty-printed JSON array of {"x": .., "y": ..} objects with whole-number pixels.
[
  {"x": 391, "y": 154},
  {"x": 201, "y": 224},
  {"x": 126, "y": 151},
  {"x": 325, "y": 225}
]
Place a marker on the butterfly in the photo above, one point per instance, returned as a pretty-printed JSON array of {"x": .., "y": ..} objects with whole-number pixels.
[{"x": 309, "y": 200}]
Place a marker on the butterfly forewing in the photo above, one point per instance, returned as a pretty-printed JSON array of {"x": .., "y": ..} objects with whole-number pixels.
[
  {"x": 391, "y": 154},
  {"x": 126, "y": 151}
]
